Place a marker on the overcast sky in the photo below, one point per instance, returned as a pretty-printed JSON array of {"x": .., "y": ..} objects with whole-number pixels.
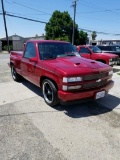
[{"x": 94, "y": 15}]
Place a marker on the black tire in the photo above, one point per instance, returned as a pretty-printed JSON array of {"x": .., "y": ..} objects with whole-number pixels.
[
  {"x": 49, "y": 92},
  {"x": 15, "y": 75}
]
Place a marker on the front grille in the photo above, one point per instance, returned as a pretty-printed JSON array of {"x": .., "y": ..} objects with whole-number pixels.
[
  {"x": 94, "y": 84},
  {"x": 114, "y": 59},
  {"x": 94, "y": 76}
]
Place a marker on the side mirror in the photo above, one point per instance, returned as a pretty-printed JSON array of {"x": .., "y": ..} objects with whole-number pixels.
[{"x": 33, "y": 59}]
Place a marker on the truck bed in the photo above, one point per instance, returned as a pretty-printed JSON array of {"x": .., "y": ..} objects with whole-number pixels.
[{"x": 15, "y": 58}]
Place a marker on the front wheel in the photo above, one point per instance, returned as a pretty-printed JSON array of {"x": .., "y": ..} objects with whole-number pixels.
[
  {"x": 49, "y": 91},
  {"x": 15, "y": 75}
]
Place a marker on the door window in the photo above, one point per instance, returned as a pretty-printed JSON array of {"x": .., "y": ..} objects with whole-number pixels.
[
  {"x": 30, "y": 50},
  {"x": 84, "y": 50}
]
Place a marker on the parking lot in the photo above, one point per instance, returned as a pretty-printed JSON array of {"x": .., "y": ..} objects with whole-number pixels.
[{"x": 32, "y": 130}]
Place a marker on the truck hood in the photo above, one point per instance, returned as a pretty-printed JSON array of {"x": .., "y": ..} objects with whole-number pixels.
[
  {"x": 112, "y": 52},
  {"x": 70, "y": 62},
  {"x": 106, "y": 54},
  {"x": 76, "y": 65}
]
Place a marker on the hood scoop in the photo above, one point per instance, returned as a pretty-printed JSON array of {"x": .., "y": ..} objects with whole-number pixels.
[
  {"x": 93, "y": 62},
  {"x": 77, "y": 64}
]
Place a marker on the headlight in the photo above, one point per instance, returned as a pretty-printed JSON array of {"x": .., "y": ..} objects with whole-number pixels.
[
  {"x": 111, "y": 62},
  {"x": 72, "y": 79},
  {"x": 65, "y": 88},
  {"x": 110, "y": 72},
  {"x": 109, "y": 79}
]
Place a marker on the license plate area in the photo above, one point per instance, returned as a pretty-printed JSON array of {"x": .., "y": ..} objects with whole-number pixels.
[{"x": 100, "y": 94}]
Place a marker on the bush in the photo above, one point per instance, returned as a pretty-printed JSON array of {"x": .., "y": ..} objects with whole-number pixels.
[{"x": 6, "y": 47}]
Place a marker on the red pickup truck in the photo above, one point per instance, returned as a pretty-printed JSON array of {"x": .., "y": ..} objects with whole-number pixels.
[
  {"x": 93, "y": 52},
  {"x": 60, "y": 71}
]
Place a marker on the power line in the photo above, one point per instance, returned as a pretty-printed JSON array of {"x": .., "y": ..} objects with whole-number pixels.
[
  {"x": 96, "y": 6},
  {"x": 107, "y": 10},
  {"x": 24, "y": 15},
  {"x": 9, "y": 2},
  {"x": 30, "y": 15},
  {"x": 11, "y": 15},
  {"x": 30, "y": 8},
  {"x": 87, "y": 30},
  {"x": 34, "y": 20}
]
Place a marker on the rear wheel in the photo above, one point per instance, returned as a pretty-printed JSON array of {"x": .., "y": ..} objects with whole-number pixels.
[
  {"x": 15, "y": 75},
  {"x": 49, "y": 91}
]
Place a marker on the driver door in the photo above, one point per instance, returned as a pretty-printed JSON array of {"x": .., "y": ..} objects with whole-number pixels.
[
  {"x": 85, "y": 52},
  {"x": 28, "y": 68}
]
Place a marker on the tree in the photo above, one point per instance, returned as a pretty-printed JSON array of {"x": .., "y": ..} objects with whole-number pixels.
[
  {"x": 83, "y": 37},
  {"x": 94, "y": 35},
  {"x": 60, "y": 27}
]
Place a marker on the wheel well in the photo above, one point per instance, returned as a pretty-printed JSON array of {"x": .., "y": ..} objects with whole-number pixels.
[
  {"x": 100, "y": 60},
  {"x": 44, "y": 77},
  {"x": 11, "y": 64}
]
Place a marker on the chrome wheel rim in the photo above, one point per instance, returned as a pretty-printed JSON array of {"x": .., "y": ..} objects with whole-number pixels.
[
  {"x": 13, "y": 73},
  {"x": 48, "y": 92}
]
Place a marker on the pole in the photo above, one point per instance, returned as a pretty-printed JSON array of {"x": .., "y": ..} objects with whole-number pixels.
[
  {"x": 73, "y": 35},
  {"x": 5, "y": 25}
]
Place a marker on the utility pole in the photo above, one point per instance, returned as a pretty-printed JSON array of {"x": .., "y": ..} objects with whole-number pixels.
[
  {"x": 73, "y": 34},
  {"x": 5, "y": 25}
]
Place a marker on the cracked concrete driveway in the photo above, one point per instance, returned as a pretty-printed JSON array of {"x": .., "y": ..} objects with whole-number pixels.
[{"x": 31, "y": 130}]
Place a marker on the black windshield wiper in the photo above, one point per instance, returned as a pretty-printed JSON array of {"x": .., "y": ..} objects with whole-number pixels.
[
  {"x": 50, "y": 57},
  {"x": 70, "y": 54},
  {"x": 66, "y": 55}
]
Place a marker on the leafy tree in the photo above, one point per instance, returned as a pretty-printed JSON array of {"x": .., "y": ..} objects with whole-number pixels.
[
  {"x": 60, "y": 27},
  {"x": 83, "y": 37},
  {"x": 94, "y": 35}
]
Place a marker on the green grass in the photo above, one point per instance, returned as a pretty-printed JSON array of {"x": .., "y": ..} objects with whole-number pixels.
[{"x": 118, "y": 73}]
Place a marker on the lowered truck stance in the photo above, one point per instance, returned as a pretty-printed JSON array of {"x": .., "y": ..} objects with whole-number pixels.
[{"x": 60, "y": 71}]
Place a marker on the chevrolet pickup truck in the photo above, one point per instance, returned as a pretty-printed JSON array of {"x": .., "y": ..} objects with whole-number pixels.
[
  {"x": 113, "y": 49},
  {"x": 93, "y": 52},
  {"x": 60, "y": 71}
]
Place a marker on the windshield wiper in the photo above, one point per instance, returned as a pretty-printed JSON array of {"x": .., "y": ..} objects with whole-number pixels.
[
  {"x": 69, "y": 54},
  {"x": 66, "y": 55},
  {"x": 50, "y": 57}
]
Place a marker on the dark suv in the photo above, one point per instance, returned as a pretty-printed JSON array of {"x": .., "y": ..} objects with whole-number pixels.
[{"x": 114, "y": 49}]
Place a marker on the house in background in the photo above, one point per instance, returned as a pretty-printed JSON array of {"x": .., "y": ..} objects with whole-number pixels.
[{"x": 16, "y": 42}]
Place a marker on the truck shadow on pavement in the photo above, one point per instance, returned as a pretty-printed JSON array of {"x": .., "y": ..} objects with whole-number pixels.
[
  {"x": 32, "y": 87},
  {"x": 91, "y": 108},
  {"x": 80, "y": 110}
]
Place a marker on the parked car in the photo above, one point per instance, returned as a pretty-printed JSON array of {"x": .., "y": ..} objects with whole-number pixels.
[
  {"x": 93, "y": 52},
  {"x": 58, "y": 69},
  {"x": 114, "y": 49}
]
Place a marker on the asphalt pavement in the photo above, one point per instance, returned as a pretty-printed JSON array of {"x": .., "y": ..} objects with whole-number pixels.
[{"x": 31, "y": 130}]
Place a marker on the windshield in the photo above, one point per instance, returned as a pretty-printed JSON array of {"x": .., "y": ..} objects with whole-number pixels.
[
  {"x": 53, "y": 50},
  {"x": 95, "y": 49}
]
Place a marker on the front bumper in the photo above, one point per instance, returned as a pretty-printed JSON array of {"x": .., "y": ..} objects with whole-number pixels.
[
  {"x": 114, "y": 61},
  {"x": 118, "y": 61},
  {"x": 72, "y": 96}
]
